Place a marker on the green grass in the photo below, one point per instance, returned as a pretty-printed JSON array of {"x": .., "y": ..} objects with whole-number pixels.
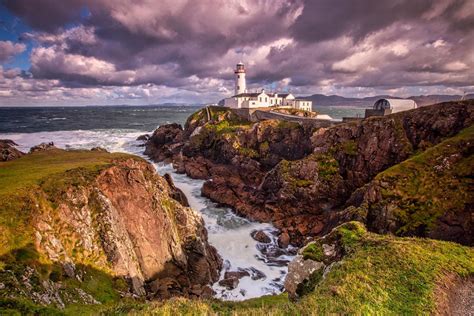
[
  {"x": 27, "y": 184},
  {"x": 431, "y": 183},
  {"x": 28, "y": 170},
  {"x": 378, "y": 275},
  {"x": 30, "y": 188},
  {"x": 313, "y": 251}
]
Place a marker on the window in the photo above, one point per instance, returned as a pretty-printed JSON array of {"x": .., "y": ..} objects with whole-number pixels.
[
  {"x": 238, "y": 76},
  {"x": 238, "y": 88}
]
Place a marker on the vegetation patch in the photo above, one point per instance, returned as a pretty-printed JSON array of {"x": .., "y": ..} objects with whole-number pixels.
[
  {"x": 349, "y": 148},
  {"x": 328, "y": 166},
  {"x": 380, "y": 274},
  {"x": 313, "y": 251},
  {"x": 31, "y": 188},
  {"x": 416, "y": 189},
  {"x": 248, "y": 152}
]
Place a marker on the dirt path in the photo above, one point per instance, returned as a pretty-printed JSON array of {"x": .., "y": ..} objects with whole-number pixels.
[{"x": 456, "y": 297}]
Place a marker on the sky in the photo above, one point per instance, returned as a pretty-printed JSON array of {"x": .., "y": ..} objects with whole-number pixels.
[{"x": 97, "y": 52}]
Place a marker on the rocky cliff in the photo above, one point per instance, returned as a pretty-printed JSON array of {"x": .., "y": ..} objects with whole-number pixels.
[
  {"x": 298, "y": 177},
  {"x": 71, "y": 219}
]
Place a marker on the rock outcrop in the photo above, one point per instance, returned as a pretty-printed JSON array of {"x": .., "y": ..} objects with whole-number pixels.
[
  {"x": 42, "y": 147},
  {"x": 118, "y": 217},
  {"x": 316, "y": 258},
  {"x": 298, "y": 177},
  {"x": 428, "y": 195},
  {"x": 8, "y": 150}
]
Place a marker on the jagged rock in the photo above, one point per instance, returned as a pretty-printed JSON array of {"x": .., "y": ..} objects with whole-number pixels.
[
  {"x": 207, "y": 292},
  {"x": 176, "y": 193},
  {"x": 69, "y": 269},
  {"x": 8, "y": 150},
  {"x": 42, "y": 147},
  {"x": 143, "y": 137},
  {"x": 428, "y": 195},
  {"x": 315, "y": 259},
  {"x": 260, "y": 236},
  {"x": 299, "y": 178},
  {"x": 161, "y": 146}
]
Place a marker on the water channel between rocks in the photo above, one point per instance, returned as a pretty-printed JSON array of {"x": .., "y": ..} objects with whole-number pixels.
[{"x": 265, "y": 263}]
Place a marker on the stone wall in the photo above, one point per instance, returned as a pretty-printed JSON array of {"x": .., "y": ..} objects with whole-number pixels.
[{"x": 256, "y": 115}]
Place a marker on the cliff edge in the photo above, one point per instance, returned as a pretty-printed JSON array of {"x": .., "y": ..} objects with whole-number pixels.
[
  {"x": 90, "y": 227},
  {"x": 303, "y": 178}
]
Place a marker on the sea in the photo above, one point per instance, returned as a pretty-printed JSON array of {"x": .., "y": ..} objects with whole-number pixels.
[{"x": 116, "y": 129}]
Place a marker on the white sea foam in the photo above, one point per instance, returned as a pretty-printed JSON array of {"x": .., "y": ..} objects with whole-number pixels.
[{"x": 229, "y": 233}]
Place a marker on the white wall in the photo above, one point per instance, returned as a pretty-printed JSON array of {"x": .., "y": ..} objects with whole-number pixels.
[{"x": 240, "y": 83}]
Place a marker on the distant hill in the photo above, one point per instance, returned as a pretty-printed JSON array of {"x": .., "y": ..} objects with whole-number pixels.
[{"x": 421, "y": 100}]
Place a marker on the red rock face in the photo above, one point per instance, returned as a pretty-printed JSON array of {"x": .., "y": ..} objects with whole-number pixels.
[
  {"x": 128, "y": 220},
  {"x": 301, "y": 179}
]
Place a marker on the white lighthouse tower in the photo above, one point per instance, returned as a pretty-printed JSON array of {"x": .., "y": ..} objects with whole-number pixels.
[{"x": 240, "y": 84}]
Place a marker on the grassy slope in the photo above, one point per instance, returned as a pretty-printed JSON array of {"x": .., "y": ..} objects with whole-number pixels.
[
  {"x": 27, "y": 188},
  {"x": 381, "y": 274},
  {"x": 21, "y": 181},
  {"x": 431, "y": 183}
]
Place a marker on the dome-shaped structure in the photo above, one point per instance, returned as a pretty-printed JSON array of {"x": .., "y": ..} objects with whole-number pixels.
[{"x": 395, "y": 105}]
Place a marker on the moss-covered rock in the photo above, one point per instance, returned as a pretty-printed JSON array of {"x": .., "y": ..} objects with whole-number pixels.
[{"x": 428, "y": 195}]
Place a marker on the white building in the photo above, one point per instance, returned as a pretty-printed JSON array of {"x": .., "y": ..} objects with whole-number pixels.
[
  {"x": 389, "y": 106},
  {"x": 395, "y": 105},
  {"x": 244, "y": 99}
]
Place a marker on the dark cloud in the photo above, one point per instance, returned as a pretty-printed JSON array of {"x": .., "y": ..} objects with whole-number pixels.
[
  {"x": 328, "y": 19},
  {"x": 46, "y": 15},
  {"x": 305, "y": 45}
]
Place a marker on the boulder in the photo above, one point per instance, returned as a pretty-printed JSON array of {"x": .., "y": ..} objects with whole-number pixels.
[
  {"x": 301, "y": 273},
  {"x": 8, "y": 150},
  {"x": 230, "y": 283},
  {"x": 284, "y": 240},
  {"x": 260, "y": 236},
  {"x": 236, "y": 274},
  {"x": 164, "y": 143}
]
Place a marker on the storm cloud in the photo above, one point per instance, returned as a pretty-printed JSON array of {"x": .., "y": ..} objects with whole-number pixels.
[{"x": 190, "y": 47}]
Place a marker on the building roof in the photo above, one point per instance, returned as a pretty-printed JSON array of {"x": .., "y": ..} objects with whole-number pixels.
[
  {"x": 256, "y": 94},
  {"x": 247, "y": 95},
  {"x": 396, "y": 105}
]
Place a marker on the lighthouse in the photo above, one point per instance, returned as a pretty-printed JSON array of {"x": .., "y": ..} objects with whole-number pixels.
[{"x": 240, "y": 84}]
